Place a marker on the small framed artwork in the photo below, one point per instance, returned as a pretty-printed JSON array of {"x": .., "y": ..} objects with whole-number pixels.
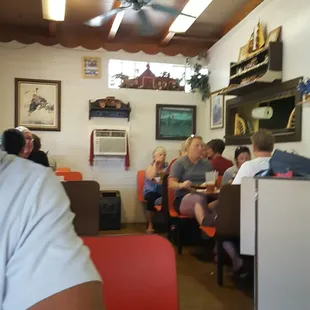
[
  {"x": 175, "y": 122},
  {"x": 38, "y": 104},
  {"x": 91, "y": 67},
  {"x": 274, "y": 35},
  {"x": 216, "y": 110},
  {"x": 243, "y": 53}
]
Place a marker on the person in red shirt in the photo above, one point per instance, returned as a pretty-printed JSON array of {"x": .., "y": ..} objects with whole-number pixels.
[{"x": 215, "y": 149}]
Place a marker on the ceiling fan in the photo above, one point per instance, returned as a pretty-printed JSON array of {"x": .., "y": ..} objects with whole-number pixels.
[{"x": 146, "y": 28}]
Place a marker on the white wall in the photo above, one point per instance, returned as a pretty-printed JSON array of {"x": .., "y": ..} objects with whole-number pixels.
[
  {"x": 71, "y": 146},
  {"x": 293, "y": 16}
]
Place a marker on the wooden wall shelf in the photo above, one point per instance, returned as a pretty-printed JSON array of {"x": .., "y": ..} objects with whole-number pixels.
[
  {"x": 110, "y": 112},
  {"x": 266, "y": 68}
]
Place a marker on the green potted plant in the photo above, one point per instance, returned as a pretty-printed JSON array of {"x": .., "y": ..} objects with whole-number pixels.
[{"x": 200, "y": 82}]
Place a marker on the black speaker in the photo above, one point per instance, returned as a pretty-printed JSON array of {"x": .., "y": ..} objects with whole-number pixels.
[{"x": 110, "y": 210}]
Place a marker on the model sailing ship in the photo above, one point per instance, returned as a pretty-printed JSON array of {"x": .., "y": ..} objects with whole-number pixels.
[{"x": 257, "y": 39}]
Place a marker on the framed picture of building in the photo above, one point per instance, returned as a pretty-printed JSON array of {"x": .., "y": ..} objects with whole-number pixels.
[
  {"x": 38, "y": 104},
  {"x": 216, "y": 110},
  {"x": 91, "y": 67},
  {"x": 175, "y": 122}
]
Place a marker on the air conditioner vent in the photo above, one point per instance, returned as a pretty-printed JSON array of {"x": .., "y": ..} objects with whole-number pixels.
[{"x": 110, "y": 142}]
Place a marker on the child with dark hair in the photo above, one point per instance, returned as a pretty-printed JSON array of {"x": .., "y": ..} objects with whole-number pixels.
[
  {"x": 215, "y": 149},
  {"x": 13, "y": 141},
  {"x": 242, "y": 154}
]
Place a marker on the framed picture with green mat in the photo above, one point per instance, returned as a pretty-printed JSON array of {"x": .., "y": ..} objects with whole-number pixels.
[{"x": 175, "y": 122}]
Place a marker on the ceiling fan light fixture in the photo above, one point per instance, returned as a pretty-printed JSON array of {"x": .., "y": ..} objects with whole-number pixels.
[{"x": 54, "y": 9}]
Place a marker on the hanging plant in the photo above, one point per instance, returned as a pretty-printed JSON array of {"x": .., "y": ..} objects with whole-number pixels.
[{"x": 200, "y": 82}]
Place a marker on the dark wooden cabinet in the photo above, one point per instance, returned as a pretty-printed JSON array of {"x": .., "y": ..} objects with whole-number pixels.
[
  {"x": 257, "y": 71},
  {"x": 286, "y": 120}
]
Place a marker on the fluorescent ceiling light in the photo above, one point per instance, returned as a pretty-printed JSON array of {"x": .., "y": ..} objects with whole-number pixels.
[
  {"x": 182, "y": 23},
  {"x": 96, "y": 21},
  {"x": 193, "y": 8},
  {"x": 196, "y": 7},
  {"x": 54, "y": 9},
  {"x": 117, "y": 21}
]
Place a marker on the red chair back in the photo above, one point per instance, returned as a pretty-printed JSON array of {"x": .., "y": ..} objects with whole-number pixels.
[
  {"x": 218, "y": 182},
  {"x": 171, "y": 163},
  {"x": 64, "y": 169},
  {"x": 140, "y": 184},
  {"x": 70, "y": 176},
  {"x": 139, "y": 272}
]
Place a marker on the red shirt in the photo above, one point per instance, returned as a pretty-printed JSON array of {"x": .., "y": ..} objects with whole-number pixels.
[{"x": 221, "y": 164}]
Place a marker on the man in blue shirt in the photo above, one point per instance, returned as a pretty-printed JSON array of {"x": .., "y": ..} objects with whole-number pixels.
[{"x": 43, "y": 263}]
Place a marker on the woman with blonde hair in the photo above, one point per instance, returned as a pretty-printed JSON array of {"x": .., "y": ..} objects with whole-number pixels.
[
  {"x": 182, "y": 152},
  {"x": 152, "y": 187},
  {"x": 29, "y": 141},
  {"x": 187, "y": 171}
]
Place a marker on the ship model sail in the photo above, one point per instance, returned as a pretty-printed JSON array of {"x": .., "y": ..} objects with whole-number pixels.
[
  {"x": 260, "y": 36},
  {"x": 251, "y": 47}
]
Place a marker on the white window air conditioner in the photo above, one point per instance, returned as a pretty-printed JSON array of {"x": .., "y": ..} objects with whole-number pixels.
[{"x": 110, "y": 142}]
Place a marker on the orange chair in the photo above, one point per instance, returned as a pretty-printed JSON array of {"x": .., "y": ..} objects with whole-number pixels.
[
  {"x": 139, "y": 272},
  {"x": 63, "y": 169},
  {"x": 208, "y": 230},
  {"x": 158, "y": 208},
  {"x": 70, "y": 176},
  {"x": 218, "y": 182},
  {"x": 140, "y": 185},
  {"x": 174, "y": 218}
]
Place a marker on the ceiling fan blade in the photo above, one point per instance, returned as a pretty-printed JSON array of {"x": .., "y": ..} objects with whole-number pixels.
[
  {"x": 101, "y": 19},
  {"x": 146, "y": 27},
  {"x": 167, "y": 9},
  {"x": 145, "y": 2}
]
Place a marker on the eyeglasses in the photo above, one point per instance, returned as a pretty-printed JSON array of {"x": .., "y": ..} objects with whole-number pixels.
[{"x": 29, "y": 139}]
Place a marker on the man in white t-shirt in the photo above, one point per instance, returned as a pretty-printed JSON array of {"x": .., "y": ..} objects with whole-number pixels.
[
  {"x": 43, "y": 263},
  {"x": 263, "y": 143}
]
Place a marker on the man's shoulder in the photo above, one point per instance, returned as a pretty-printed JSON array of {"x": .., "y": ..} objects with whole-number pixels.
[
  {"x": 221, "y": 158},
  {"x": 247, "y": 164},
  {"x": 15, "y": 168},
  {"x": 227, "y": 160},
  {"x": 256, "y": 161}
]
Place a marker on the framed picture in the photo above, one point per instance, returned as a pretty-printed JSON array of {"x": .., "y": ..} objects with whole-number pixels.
[
  {"x": 37, "y": 104},
  {"x": 91, "y": 67},
  {"x": 273, "y": 36},
  {"x": 175, "y": 122},
  {"x": 243, "y": 53},
  {"x": 216, "y": 110}
]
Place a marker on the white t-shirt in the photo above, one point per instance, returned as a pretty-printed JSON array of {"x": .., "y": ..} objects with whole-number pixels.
[
  {"x": 40, "y": 253},
  {"x": 251, "y": 167}
]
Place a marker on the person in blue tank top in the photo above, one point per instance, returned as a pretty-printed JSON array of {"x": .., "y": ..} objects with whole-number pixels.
[{"x": 152, "y": 186}]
